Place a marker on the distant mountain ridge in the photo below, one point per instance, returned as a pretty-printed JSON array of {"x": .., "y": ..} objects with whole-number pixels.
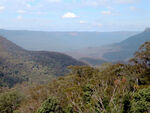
[
  {"x": 128, "y": 46},
  {"x": 18, "y": 64},
  {"x": 63, "y": 41},
  {"x": 121, "y": 51}
]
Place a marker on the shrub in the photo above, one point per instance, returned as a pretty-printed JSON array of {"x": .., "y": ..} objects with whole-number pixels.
[
  {"x": 9, "y": 101},
  {"x": 141, "y": 101},
  {"x": 51, "y": 105}
]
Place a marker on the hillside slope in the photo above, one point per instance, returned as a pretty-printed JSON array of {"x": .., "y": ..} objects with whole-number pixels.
[
  {"x": 121, "y": 51},
  {"x": 18, "y": 64},
  {"x": 128, "y": 46}
]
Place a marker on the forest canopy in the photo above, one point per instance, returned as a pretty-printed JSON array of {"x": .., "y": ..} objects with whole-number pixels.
[{"x": 110, "y": 88}]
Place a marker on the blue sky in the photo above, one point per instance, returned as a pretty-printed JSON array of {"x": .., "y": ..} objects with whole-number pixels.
[{"x": 75, "y": 15}]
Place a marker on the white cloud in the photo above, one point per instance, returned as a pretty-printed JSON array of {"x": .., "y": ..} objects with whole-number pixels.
[
  {"x": 21, "y": 11},
  {"x": 82, "y": 22},
  {"x": 106, "y": 12},
  {"x": 19, "y": 17},
  {"x": 2, "y": 8},
  {"x": 69, "y": 15}
]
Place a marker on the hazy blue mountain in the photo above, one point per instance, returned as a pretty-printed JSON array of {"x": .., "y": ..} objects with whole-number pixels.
[
  {"x": 128, "y": 46},
  {"x": 121, "y": 51},
  {"x": 63, "y": 41}
]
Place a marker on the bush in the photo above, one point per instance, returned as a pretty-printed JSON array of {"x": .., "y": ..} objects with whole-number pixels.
[
  {"x": 141, "y": 101},
  {"x": 9, "y": 101},
  {"x": 126, "y": 103},
  {"x": 51, "y": 105}
]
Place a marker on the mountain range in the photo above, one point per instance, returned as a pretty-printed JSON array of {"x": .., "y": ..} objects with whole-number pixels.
[
  {"x": 121, "y": 51},
  {"x": 128, "y": 47},
  {"x": 18, "y": 65},
  {"x": 63, "y": 41}
]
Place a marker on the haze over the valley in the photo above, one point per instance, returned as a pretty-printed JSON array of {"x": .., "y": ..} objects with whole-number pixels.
[
  {"x": 74, "y": 56},
  {"x": 92, "y": 31},
  {"x": 64, "y": 41}
]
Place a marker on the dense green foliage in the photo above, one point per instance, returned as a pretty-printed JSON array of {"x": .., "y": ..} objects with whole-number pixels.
[
  {"x": 9, "y": 101},
  {"x": 92, "y": 61},
  {"x": 141, "y": 101},
  {"x": 18, "y": 65},
  {"x": 110, "y": 88},
  {"x": 51, "y": 105}
]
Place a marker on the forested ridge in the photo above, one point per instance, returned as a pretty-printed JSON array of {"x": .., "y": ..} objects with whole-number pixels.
[
  {"x": 18, "y": 65},
  {"x": 110, "y": 88}
]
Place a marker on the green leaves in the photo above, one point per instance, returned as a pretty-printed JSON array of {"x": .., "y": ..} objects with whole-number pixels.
[
  {"x": 9, "y": 101},
  {"x": 51, "y": 105},
  {"x": 141, "y": 101},
  {"x": 141, "y": 62},
  {"x": 115, "y": 88}
]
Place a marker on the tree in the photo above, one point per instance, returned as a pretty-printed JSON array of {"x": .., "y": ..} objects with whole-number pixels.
[
  {"x": 83, "y": 71},
  {"x": 9, "y": 101},
  {"x": 142, "y": 56},
  {"x": 51, "y": 105},
  {"x": 141, "y": 101},
  {"x": 141, "y": 62}
]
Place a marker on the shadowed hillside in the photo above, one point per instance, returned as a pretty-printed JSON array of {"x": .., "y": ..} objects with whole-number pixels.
[{"x": 17, "y": 64}]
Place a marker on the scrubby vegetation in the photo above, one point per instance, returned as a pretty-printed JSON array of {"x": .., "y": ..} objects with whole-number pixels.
[
  {"x": 18, "y": 65},
  {"x": 110, "y": 88},
  {"x": 92, "y": 61}
]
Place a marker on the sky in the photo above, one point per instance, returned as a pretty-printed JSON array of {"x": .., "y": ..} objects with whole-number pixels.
[{"x": 75, "y": 15}]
